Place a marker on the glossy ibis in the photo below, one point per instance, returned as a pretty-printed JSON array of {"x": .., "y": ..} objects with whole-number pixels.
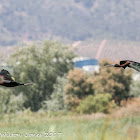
[
  {"x": 7, "y": 80},
  {"x": 127, "y": 63}
]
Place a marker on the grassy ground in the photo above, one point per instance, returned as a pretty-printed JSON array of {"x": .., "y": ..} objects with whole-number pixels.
[{"x": 34, "y": 126}]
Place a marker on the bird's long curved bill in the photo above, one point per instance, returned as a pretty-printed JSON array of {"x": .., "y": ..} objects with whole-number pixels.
[
  {"x": 28, "y": 84},
  {"x": 109, "y": 65}
]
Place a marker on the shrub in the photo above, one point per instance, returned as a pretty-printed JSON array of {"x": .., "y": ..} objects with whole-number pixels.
[
  {"x": 97, "y": 103},
  {"x": 72, "y": 102},
  {"x": 10, "y": 103},
  {"x": 135, "y": 85},
  {"x": 56, "y": 102},
  {"x": 79, "y": 84}
]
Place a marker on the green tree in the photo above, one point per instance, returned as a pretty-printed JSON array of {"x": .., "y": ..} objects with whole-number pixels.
[
  {"x": 115, "y": 81},
  {"x": 40, "y": 65}
]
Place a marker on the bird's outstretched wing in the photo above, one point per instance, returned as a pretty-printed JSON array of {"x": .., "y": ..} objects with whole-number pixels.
[
  {"x": 7, "y": 75},
  {"x": 134, "y": 65},
  {"x": 124, "y": 61},
  {"x": 5, "y": 71}
]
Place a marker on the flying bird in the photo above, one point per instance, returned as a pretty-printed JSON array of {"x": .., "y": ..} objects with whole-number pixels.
[
  {"x": 127, "y": 63},
  {"x": 7, "y": 80}
]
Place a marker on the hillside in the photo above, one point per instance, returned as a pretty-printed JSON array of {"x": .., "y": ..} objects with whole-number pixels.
[
  {"x": 110, "y": 49},
  {"x": 71, "y": 20}
]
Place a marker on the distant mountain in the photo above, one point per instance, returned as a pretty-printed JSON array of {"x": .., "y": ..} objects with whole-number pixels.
[{"x": 68, "y": 19}]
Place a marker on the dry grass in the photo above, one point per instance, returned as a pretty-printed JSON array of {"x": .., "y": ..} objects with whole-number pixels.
[{"x": 130, "y": 108}]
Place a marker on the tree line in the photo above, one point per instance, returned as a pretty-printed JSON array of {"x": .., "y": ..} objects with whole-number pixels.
[{"x": 58, "y": 86}]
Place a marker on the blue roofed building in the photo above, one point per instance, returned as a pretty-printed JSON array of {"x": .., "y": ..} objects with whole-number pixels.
[{"x": 87, "y": 64}]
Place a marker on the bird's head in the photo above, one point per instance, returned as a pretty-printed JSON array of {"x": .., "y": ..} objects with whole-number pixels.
[{"x": 116, "y": 65}]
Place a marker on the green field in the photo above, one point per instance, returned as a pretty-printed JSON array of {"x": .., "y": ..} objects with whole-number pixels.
[{"x": 33, "y": 126}]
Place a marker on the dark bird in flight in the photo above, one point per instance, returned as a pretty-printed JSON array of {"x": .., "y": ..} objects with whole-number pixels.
[
  {"x": 127, "y": 63},
  {"x": 7, "y": 80}
]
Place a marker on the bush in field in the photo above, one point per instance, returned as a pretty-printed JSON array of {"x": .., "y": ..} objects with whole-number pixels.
[
  {"x": 16, "y": 103},
  {"x": 95, "y": 103},
  {"x": 78, "y": 83},
  {"x": 9, "y": 103},
  {"x": 135, "y": 86},
  {"x": 40, "y": 65},
  {"x": 4, "y": 100},
  {"x": 78, "y": 87},
  {"x": 57, "y": 101},
  {"x": 115, "y": 81},
  {"x": 72, "y": 102}
]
